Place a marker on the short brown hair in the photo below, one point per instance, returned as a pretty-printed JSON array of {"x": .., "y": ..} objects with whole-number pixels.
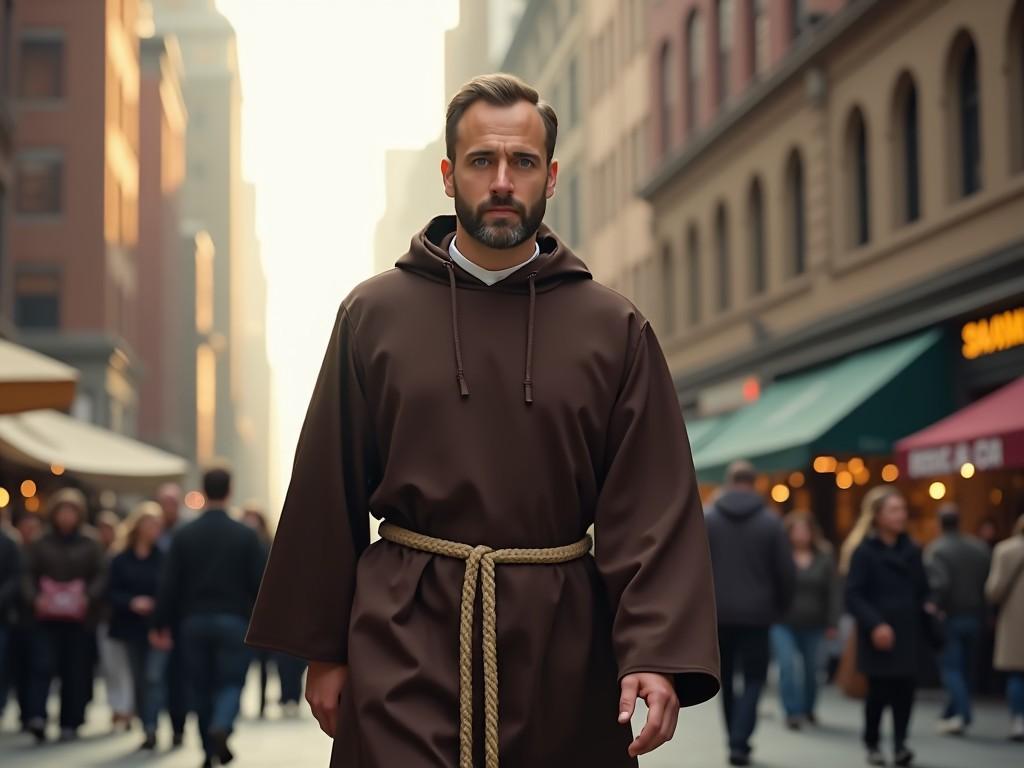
[
  {"x": 500, "y": 90},
  {"x": 217, "y": 483}
]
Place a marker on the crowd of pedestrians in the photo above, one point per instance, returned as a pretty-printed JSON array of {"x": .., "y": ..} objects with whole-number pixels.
[{"x": 154, "y": 604}]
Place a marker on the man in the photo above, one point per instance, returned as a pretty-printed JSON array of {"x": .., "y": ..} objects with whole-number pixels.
[
  {"x": 208, "y": 586},
  {"x": 485, "y": 395},
  {"x": 754, "y": 581},
  {"x": 957, "y": 567}
]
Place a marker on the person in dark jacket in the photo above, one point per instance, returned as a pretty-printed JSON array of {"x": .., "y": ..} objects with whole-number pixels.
[
  {"x": 957, "y": 566},
  {"x": 797, "y": 639},
  {"x": 209, "y": 584},
  {"x": 754, "y": 580},
  {"x": 22, "y": 645},
  {"x": 886, "y": 592},
  {"x": 64, "y": 583},
  {"x": 134, "y": 577},
  {"x": 10, "y": 589}
]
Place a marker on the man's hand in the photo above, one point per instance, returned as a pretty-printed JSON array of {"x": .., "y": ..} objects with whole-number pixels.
[
  {"x": 142, "y": 605},
  {"x": 324, "y": 683},
  {"x": 662, "y": 709},
  {"x": 882, "y": 637},
  {"x": 161, "y": 639}
]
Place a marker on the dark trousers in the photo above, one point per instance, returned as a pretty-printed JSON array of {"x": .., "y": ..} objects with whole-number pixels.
[
  {"x": 746, "y": 650},
  {"x": 956, "y": 663},
  {"x": 216, "y": 661},
  {"x": 144, "y": 669},
  {"x": 167, "y": 684},
  {"x": 63, "y": 649},
  {"x": 896, "y": 693},
  {"x": 20, "y": 652},
  {"x": 289, "y": 670}
]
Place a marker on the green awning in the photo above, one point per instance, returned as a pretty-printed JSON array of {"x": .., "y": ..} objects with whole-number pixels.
[
  {"x": 861, "y": 404},
  {"x": 702, "y": 431}
]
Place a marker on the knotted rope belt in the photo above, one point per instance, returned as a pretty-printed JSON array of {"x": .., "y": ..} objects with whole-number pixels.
[{"x": 480, "y": 564}]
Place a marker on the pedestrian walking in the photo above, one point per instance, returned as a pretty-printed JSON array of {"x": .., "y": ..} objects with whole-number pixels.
[
  {"x": 886, "y": 591},
  {"x": 755, "y": 577},
  {"x": 488, "y": 402},
  {"x": 10, "y": 592},
  {"x": 23, "y": 648},
  {"x": 65, "y": 580},
  {"x": 814, "y": 611},
  {"x": 1005, "y": 589},
  {"x": 134, "y": 577},
  {"x": 957, "y": 566},
  {"x": 209, "y": 582},
  {"x": 113, "y": 657}
]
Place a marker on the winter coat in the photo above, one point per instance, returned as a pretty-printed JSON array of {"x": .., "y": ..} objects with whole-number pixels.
[{"x": 1005, "y": 588}]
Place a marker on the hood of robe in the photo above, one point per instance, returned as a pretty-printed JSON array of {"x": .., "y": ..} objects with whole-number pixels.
[{"x": 429, "y": 258}]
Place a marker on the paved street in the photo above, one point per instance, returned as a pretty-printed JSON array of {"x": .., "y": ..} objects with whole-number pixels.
[{"x": 278, "y": 742}]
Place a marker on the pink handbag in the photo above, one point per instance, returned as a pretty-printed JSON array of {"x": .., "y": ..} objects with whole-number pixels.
[{"x": 61, "y": 600}]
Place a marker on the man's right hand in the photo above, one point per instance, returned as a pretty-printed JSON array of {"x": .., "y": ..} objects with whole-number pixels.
[
  {"x": 882, "y": 637},
  {"x": 324, "y": 683}
]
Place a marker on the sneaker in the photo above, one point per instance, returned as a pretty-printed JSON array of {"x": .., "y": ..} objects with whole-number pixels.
[
  {"x": 177, "y": 740},
  {"x": 68, "y": 735},
  {"x": 37, "y": 727},
  {"x": 812, "y": 719},
  {"x": 1017, "y": 728},
  {"x": 793, "y": 723},
  {"x": 903, "y": 757},
  {"x": 739, "y": 758},
  {"x": 291, "y": 709},
  {"x": 150, "y": 743},
  {"x": 875, "y": 757},
  {"x": 951, "y": 726},
  {"x": 219, "y": 745}
]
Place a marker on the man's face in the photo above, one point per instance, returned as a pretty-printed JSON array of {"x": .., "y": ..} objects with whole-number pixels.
[
  {"x": 500, "y": 180},
  {"x": 169, "y": 497}
]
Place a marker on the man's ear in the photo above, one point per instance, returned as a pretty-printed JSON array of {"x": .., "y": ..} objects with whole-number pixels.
[
  {"x": 549, "y": 192},
  {"x": 448, "y": 176}
]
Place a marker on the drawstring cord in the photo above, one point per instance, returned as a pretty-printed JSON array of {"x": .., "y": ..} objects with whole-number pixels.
[
  {"x": 460, "y": 373},
  {"x": 528, "y": 374}
]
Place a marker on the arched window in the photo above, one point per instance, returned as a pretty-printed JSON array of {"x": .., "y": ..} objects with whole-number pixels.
[
  {"x": 723, "y": 12},
  {"x": 965, "y": 110},
  {"x": 694, "y": 70},
  {"x": 796, "y": 215},
  {"x": 667, "y": 97},
  {"x": 906, "y": 133},
  {"x": 858, "y": 178},
  {"x": 1015, "y": 46},
  {"x": 722, "y": 257},
  {"x": 693, "y": 275},
  {"x": 758, "y": 260},
  {"x": 668, "y": 289}
]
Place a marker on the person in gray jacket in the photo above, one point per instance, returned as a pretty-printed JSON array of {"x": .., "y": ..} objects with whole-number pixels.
[
  {"x": 957, "y": 566},
  {"x": 754, "y": 582}
]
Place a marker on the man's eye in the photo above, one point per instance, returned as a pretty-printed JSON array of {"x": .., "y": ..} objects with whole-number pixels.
[
  {"x": 525, "y": 162},
  {"x": 480, "y": 162}
]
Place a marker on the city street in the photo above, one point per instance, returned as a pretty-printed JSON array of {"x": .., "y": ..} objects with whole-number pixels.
[{"x": 280, "y": 742}]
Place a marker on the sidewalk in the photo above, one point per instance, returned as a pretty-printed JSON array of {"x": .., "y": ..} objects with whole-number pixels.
[{"x": 699, "y": 743}]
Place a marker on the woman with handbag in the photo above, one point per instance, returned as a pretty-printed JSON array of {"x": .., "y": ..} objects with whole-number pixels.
[
  {"x": 886, "y": 591},
  {"x": 1005, "y": 589},
  {"x": 64, "y": 580}
]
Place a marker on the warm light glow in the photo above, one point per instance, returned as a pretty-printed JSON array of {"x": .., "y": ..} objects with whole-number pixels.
[
  {"x": 862, "y": 476},
  {"x": 844, "y": 480},
  {"x": 195, "y": 500},
  {"x": 996, "y": 496},
  {"x": 780, "y": 493},
  {"x": 5, "y": 498},
  {"x": 797, "y": 479},
  {"x": 967, "y": 471},
  {"x": 890, "y": 473},
  {"x": 855, "y": 465},
  {"x": 937, "y": 490},
  {"x": 825, "y": 464},
  {"x": 57, "y": 469},
  {"x": 28, "y": 489},
  {"x": 32, "y": 505}
]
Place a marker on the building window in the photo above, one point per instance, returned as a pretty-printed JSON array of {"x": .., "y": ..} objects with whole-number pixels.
[
  {"x": 858, "y": 175},
  {"x": 796, "y": 214},
  {"x": 970, "y": 122},
  {"x": 41, "y": 68},
  {"x": 38, "y": 180},
  {"x": 907, "y": 134},
  {"x": 666, "y": 100},
  {"x": 37, "y": 301},
  {"x": 722, "y": 257},
  {"x": 693, "y": 275},
  {"x": 758, "y": 261},
  {"x": 668, "y": 289},
  {"x": 724, "y": 12},
  {"x": 797, "y": 17},
  {"x": 694, "y": 70},
  {"x": 759, "y": 39}
]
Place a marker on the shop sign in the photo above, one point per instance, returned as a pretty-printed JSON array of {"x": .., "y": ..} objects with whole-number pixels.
[
  {"x": 990, "y": 335},
  {"x": 983, "y": 453}
]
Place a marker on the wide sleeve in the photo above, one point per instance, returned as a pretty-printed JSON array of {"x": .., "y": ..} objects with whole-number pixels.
[
  {"x": 305, "y": 599},
  {"x": 651, "y": 546}
]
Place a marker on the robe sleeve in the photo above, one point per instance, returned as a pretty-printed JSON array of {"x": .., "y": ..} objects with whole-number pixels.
[
  {"x": 651, "y": 546},
  {"x": 305, "y": 599}
]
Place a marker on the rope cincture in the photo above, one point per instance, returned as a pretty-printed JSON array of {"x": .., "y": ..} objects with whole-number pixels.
[{"x": 480, "y": 566}]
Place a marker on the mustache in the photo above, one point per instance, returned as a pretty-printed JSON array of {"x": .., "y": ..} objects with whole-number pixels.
[{"x": 504, "y": 202}]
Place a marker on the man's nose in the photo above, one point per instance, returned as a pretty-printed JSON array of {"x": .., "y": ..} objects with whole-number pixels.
[{"x": 501, "y": 185}]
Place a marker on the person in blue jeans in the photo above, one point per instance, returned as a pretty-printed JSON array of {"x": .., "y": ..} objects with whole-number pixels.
[
  {"x": 797, "y": 640},
  {"x": 957, "y": 567},
  {"x": 1005, "y": 589},
  {"x": 209, "y": 583}
]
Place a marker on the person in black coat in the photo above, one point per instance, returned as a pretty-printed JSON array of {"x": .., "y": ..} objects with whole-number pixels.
[
  {"x": 10, "y": 590},
  {"x": 886, "y": 591}
]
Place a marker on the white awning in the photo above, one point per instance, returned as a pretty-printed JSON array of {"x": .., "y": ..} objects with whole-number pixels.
[
  {"x": 94, "y": 455},
  {"x": 29, "y": 380}
]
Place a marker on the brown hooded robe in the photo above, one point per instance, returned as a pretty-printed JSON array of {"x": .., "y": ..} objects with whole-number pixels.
[{"x": 514, "y": 416}]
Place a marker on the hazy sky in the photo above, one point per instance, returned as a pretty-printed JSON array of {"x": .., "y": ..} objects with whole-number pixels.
[{"x": 328, "y": 85}]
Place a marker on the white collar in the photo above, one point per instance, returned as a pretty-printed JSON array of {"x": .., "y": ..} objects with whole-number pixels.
[{"x": 487, "y": 276}]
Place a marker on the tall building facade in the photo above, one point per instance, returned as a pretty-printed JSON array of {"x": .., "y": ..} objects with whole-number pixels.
[
  {"x": 72, "y": 223},
  {"x": 6, "y": 171}
]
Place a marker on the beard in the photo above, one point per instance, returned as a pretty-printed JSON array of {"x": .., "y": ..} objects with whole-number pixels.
[{"x": 501, "y": 233}]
